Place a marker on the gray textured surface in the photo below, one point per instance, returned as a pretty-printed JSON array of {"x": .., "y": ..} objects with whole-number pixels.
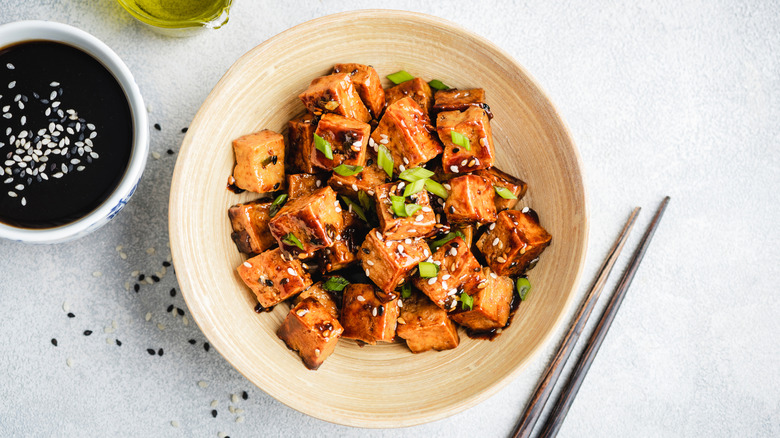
[{"x": 665, "y": 98}]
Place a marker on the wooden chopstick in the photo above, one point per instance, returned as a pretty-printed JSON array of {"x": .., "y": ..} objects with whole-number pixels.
[
  {"x": 565, "y": 399},
  {"x": 545, "y": 386}
]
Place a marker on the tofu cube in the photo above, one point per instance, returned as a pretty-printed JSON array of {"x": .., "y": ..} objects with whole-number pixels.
[
  {"x": 492, "y": 300},
  {"x": 318, "y": 293},
  {"x": 368, "y": 85},
  {"x": 473, "y": 124},
  {"x": 343, "y": 252},
  {"x": 417, "y": 89},
  {"x": 315, "y": 220},
  {"x": 500, "y": 178},
  {"x": 393, "y": 227},
  {"x": 259, "y": 161},
  {"x": 273, "y": 277},
  {"x": 348, "y": 140},
  {"x": 425, "y": 326},
  {"x": 311, "y": 330},
  {"x": 335, "y": 94},
  {"x": 460, "y": 100},
  {"x": 250, "y": 226},
  {"x": 388, "y": 262},
  {"x": 300, "y": 143},
  {"x": 470, "y": 200},
  {"x": 367, "y": 180},
  {"x": 365, "y": 317},
  {"x": 513, "y": 242},
  {"x": 406, "y": 132},
  {"x": 457, "y": 269},
  {"x": 304, "y": 184}
]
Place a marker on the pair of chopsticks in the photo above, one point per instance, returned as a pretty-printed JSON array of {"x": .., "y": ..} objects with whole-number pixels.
[{"x": 554, "y": 369}]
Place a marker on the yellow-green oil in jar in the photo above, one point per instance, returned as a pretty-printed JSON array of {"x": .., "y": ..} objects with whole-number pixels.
[{"x": 178, "y": 14}]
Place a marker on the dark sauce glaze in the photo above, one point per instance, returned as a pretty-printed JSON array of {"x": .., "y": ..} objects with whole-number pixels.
[
  {"x": 83, "y": 84},
  {"x": 493, "y": 334}
]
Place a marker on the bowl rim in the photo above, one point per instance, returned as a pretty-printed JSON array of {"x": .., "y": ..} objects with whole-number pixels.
[
  {"x": 411, "y": 420},
  {"x": 39, "y": 30}
]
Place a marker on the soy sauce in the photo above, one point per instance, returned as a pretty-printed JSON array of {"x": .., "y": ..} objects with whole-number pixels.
[{"x": 66, "y": 134}]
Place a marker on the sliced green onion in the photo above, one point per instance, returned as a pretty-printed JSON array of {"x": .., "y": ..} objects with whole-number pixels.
[
  {"x": 414, "y": 187},
  {"x": 400, "y": 77},
  {"x": 504, "y": 192},
  {"x": 436, "y": 188},
  {"x": 365, "y": 201},
  {"x": 335, "y": 284},
  {"x": 323, "y": 146},
  {"x": 437, "y": 84},
  {"x": 415, "y": 174},
  {"x": 399, "y": 205},
  {"x": 406, "y": 290},
  {"x": 411, "y": 209},
  {"x": 460, "y": 140},
  {"x": 428, "y": 269},
  {"x": 355, "y": 208},
  {"x": 523, "y": 287},
  {"x": 385, "y": 160},
  {"x": 277, "y": 204},
  {"x": 291, "y": 240},
  {"x": 466, "y": 300},
  {"x": 436, "y": 244},
  {"x": 347, "y": 169}
]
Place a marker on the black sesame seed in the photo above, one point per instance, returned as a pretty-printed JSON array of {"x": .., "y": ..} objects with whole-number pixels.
[
  {"x": 276, "y": 186},
  {"x": 455, "y": 150},
  {"x": 244, "y": 395},
  {"x": 150, "y": 351},
  {"x": 214, "y": 413},
  {"x": 269, "y": 282},
  {"x": 366, "y": 250},
  {"x": 141, "y": 277},
  {"x": 71, "y": 315},
  {"x": 284, "y": 281},
  {"x": 370, "y": 162},
  {"x": 169, "y": 151},
  {"x": 54, "y": 341},
  {"x": 137, "y": 287},
  {"x": 87, "y": 332},
  {"x": 183, "y": 130},
  {"x": 274, "y": 159},
  {"x": 170, "y": 308},
  {"x": 155, "y": 279},
  {"x": 180, "y": 311},
  {"x": 157, "y": 127},
  {"x": 118, "y": 343},
  {"x": 160, "y": 352},
  {"x": 206, "y": 346},
  {"x": 192, "y": 341},
  {"x": 173, "y": 292},
  {"x": 452, "y": 209},
  {"x": 167, "y": 264}
]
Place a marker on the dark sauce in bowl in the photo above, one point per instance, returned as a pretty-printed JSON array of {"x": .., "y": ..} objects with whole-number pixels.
[{"x": 66, "y": 134}]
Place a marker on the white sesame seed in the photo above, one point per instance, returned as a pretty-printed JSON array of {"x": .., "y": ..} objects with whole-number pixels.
[
  {"x": 6, "y": 108},
  {"x": 401, "y": 168},
  {"x": 408, "y": 241},
  {"x": 406, "y": 160},
  {"x": 291, "y": 271},
  {"x": 525, "y": 210},
  {"x": 160, "y": 326},
  {"x": 214, "y": 403},
  {"x": 453, "y": 291},
  {"x": 412, "y": 231},
  {"x": 419, "y": 218},
  {"x": 492, "y": 226},
  {"x": 10, "y": 66},
  {"x": 97, "y": 274},
  {"x": 495, "y": 241},
  {"x": 444, "y": 285},
  {"x": 384, "y": 141},
  {"x": 445, "y": 277},
  {"x": 382, "y": 135},
  {"x": 454, "y": 169},
  {"x": 12, "y": 194},
  {"x": 464, "y": 162},
  {"x": 379, "y": 235},
  {"x": 370, "y": 263},
  {"x": 373, "y": 311},
  {"x": 54, "y": 84},
  {"x": 400, "y": 248},
  {"x": 11, "y": 84},
  {"x": 388, "y": 244},
  {"x": 401, "y": 185},
  {"x": 453, "y": 252},
  {"x": 203, "y": 384},
  {"x": 156, "y": 155},
  {"x": 148, "y": 316},
  {"x": 360, "y": 298},
  {"x": 69, "y": 362},
  {"x": 493, "y": 274},
  {"x": 432, "y": 280},
  {"x": 355, "y": 187},
  {"x": 367, "y": 272},
  {"x": 301, "y": 312},
  {"x": 247, "y": 264}
]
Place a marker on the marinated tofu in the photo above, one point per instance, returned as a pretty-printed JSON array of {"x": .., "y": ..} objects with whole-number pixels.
[
  {"x": 250, "y": 226},
  {"x": 425, "y": 326},
  {"x": 473, "y": 125},
  {"x": 348, "y": 139},
  {"x": 300, "y": 143},
  {"x": 367, "y": 180},
  {"x": 418, "y": 224},
  {"x": 343, "y": 253},
  {"x": 368, "y": 85},
  {"x": 513, "y": 242},
  {"x": 492, "y": 301},
  {"x": 406, "y": 132},
  {"x": 365, "y": 317},
  {"x": 312, "y": 221},
  {"x": 318, "y": 293},
  {"x": 335, "y": 94},
  {"x": 417, "y": 89},
  {"x": 470, "y": 200},
  {"x": 388, "y": 262},
  {"x": 514, "y": 186},
  {"x": 259, "y": 161},
  {"x": 273, "y": 277},
  {"x": 457, "y": 269},
  {"x": 304, "y": 184},
  {"x": 312, "y": 331},
  {"x": 460, "y": 100}
]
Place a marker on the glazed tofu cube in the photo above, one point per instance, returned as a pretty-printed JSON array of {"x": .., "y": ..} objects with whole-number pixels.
[
  {"x": 457, "y": 269},
  {"x": 348, "y": 140},
  {"x": 367, "y": 180},
  {"x": 425, "y": 326},
  {"x": 460, "y": 100},
  {"x": 250, "y": 226},
  {"x": 513, "y": 242},
  {"x": 474, "y": 125},
  {"x": 304, "y": 184},
  {"x": 300, "y": 143},
  {"x": 343, "y": 252},
  {"x": 368, "y": 85},
  {"x": 259, "y": 161},
  {"x": 468, "y": 231},
  {"x": 318, "y": 293},
  {"x": 417, "y": 89},
  {"x": 404, "y": 130},
  {"x": 335, "y": 94},
  {"x": 315, "y": 221},
  {"x": 498, "y": 178},
  {"x": 312, "y": 331},
  {"x": 365, "y": 317},
  {"x": 470, "y": 200},
  {"x": 492, "y": 300},
  {"x": 393, "y": 227},
  {"x": 388, "y": 262},
  {"x": 273, "y": 277}
]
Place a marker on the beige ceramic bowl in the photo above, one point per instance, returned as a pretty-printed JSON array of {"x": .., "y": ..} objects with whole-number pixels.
[{"x": 383, "y": 385}]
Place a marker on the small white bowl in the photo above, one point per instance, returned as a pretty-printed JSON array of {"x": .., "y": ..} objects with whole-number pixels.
[{"x": 21, "y": 31}]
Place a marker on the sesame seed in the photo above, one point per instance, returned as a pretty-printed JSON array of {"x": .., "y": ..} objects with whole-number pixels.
[
  {"x": 493, "y": 274},
  {"x": 367, "y": 273},
  {"x": 69, "y": 362},
  {"x": 492, "y": 226},
  {"x": 406, "y": 160},
  {"x": 291, "y": 271},
  {"x": 453, "y": 252},
  {"x": 247, "y": 264},
  {"x": 412, "y": 231},
  {"x": 370, "y": 263},
  {"x": 432, "y": 280},
  {"x": 354, "y": 187},
  {"x": 495, "y": 241},
  {"x": 419, "y": 218},
  {"x": 382, "y": 141},
  {"x": 501, "y": 259},
  {"x": 379, "y": 235},
  {"x": 464, "y": 162},
  {"x": 175, "y": 423},
  {"x": 360, "y": 298},
  {"x": 388, "y": 244},
  {"x": 454, "y": 169},
  {"x": 525, "y": 210},
  {"x": 203, "y": 384},
  {"x": 54, "y": 341},
  {"x": 400, "y": 248},
  {"x": 318, "y": 183},
  {"x": 452, "y": 291},
  {"x": 10, "y": 66},
  {"x": 445, "y": 277},
  {"x": 11, "y": 84},
  {"x": 401, "y": 168},
  {"x": 401, "y": 185},
  {"x": 302, "y": 312},
  {"x": 373, "y": 311}
]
